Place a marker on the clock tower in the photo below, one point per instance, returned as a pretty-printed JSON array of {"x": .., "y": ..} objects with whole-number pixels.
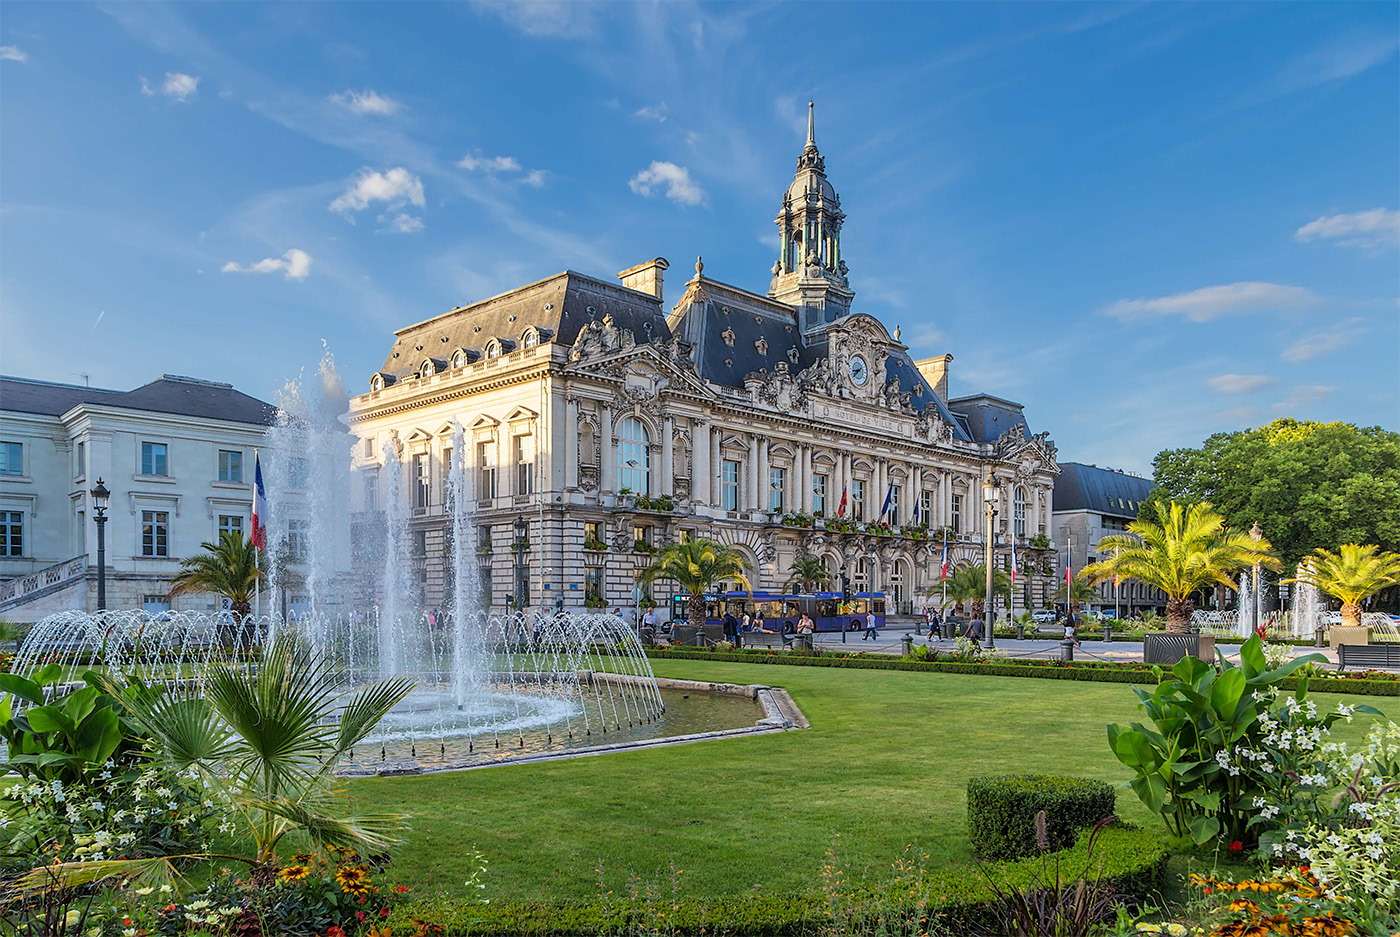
[{"x": 810, "y": 273}]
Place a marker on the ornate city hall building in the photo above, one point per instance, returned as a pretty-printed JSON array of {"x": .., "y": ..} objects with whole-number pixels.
[{"x": 613, "y": 425}]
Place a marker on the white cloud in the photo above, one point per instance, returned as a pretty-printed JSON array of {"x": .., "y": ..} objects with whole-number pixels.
[
  {"x": 1372, "y": 228},
  {"x": 396, "y": 188},
  {"x": 535, "y": 178},
  {"x": 1240, "y": 383},
  {"x": 656, "y": 112},
  {"x": 1304, "y": 395},
  {"x": 177, "y": 86},
  {"x": 1212, "y": 302},
  {"x": 1323, "y": 342},
  {"x": 295, "y": 265},
  {"x": 489, "y": 164},
  {"x": 368, "y": 101},
  {"x": 545, "y": 19},
  {"x": 402, "y": 223},
  {"x": 13, "y": 54},
  {"x": 680, "y": 188}
]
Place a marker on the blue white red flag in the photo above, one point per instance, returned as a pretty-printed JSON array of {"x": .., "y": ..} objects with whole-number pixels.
[
  {"x": 889, "y": 498},
  {"x": 1013, "y": 560},
  {"x": 259, "y": 534},
  {"x": 945, "y": 554}
]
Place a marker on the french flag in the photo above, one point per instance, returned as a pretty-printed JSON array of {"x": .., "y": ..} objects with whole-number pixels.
[
  {"x": 841, "y": 511},
  {"x": 945, "y": 554},
  {"x": 259, "y": 533},
  {"x": 1013, "y": 559}
]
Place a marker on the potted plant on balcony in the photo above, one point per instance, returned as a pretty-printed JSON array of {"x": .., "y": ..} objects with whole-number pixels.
[
  {"x": 642, "y": 546},
  {"x": 594, "y": 544}
]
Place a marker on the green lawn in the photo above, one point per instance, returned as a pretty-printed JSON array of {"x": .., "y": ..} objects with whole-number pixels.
[{"x": 884, "y": 766}]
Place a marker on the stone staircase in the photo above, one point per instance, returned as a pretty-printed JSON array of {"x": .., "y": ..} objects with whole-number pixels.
[{"x": 37, "y": 585}]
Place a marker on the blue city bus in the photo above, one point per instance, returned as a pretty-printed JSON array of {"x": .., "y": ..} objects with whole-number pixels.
[{"x": 781, "y": 611}]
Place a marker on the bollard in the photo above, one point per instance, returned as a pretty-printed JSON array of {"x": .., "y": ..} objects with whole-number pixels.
[
  {"x": 1107, "y": 631},
  {"x": 1320, "y": 639},
  {"x": 700, "y": 638},
  {"x": 1020, "y": 632},
  {"x": 906, "y": 645},
  {"x": 919, "y": 626},
  {"x": 1066, "y": 650}
]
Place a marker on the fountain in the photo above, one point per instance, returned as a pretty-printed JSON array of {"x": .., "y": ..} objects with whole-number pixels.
[
  {"x": 1244, "y": 607},
  {"x": 486, "y": 682},
  {"x": 1307, "y": 605}
]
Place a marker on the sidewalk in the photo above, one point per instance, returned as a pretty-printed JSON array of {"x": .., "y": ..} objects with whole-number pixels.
[{"x": 891, "y": 638}]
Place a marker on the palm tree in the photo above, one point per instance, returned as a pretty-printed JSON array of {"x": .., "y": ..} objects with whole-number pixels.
[
  {"x": 807, "y": 574},
  {"x": 968, "y": 585},
  {"x": 270, "y": 739},
  {"x": 697, "y": 566},
  {"x": 1187, "y": 549},
  {"x": 1351, "y": 574},
  {"x": 228, "y": 568},
  {"x": 1080, "y": 592}
]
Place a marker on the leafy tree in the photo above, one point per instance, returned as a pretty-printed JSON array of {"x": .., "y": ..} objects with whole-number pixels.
[
  {"x": 228, "y": 568},
  {"x": 968, "y": 586},
  {"x": 807, "y": 574},
  {"x": 1307, "y": 484},
  {"x": 1186, "y": 549},
  {"x": 697, "y": 566},
  {"x": 1351, "y": 574}
]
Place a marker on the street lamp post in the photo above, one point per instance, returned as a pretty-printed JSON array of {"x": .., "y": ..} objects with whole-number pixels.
[
  {"x": 522, "y": 530},
  {"x": 100, "y": 494},
  {"x": 1255, "y": 534},
  {"x": 989, "y": 492}
]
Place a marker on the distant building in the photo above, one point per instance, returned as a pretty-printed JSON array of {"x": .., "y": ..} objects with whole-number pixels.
[
  {"x": 613, "y": 423},
  {"x": 1090, "y": 503},
  {"x": 177, "y": 455}
]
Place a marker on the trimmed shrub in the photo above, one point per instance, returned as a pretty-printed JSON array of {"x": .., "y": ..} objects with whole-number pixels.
[
  {"x": 1090, "y": 671},
  {"x": 1001, "y": 812},
  {"x": 954, "y": 900}
]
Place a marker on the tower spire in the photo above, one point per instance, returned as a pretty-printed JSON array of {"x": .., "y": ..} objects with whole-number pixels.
[{"x": 811, "y": 125}]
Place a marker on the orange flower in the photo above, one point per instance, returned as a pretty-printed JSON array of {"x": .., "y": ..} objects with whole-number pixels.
[
  {"x": 354, "y": 880},
  {"x": 1241, "y": 905},
  {"x": 294, "y": 873}
]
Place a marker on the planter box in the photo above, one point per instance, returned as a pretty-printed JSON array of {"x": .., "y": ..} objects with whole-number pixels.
[
  {"x": 1167, "y": 648},
  {"x": 1341, "y": 634}
]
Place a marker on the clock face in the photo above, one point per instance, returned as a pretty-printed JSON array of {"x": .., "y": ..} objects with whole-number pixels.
[{"x": 859, "y": 371}]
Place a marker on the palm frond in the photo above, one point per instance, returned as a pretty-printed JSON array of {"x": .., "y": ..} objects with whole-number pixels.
[{"x": 366, "y": 708}]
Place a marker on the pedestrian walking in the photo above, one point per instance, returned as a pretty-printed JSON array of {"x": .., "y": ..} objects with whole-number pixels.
[{"x": 870, "y": 631}]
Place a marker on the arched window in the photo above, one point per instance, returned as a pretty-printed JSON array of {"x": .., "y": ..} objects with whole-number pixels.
[
  {"x": 1019, "y": 505},
  {"x": 493, "y": 349},
  {"x": 633, "y": 458},
  {"x": 376, "y": 382},
  {"x": 427, "y": 369},
  {"x": 459, "y": 358},
  {"x": 529, "y": 339}
]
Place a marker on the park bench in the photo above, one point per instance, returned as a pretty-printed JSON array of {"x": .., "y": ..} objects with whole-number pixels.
[
  {"x": 763, "y": 639},
  {"x": 1369, "y": 656}
]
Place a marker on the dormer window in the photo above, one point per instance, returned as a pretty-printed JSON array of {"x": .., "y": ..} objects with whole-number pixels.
[
  {"x": 529, "y": 338},
  {"x": 376, "y": 382},
  {"x": 459, "y": 358},
  {"x": 493, "y": 349},
  {"x": 426, "y": 368}
]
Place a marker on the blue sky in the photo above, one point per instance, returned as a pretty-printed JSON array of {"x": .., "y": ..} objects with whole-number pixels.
[{"x": 1145, "y": 222}]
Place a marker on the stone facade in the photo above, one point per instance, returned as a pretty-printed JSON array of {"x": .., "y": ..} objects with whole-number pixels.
[
  {"x": 1091, "y": 503},
  {"x": 604, "y": 419},
  {"x": 177, "y": 456}
]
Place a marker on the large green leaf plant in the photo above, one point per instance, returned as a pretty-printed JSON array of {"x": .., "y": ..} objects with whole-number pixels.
[
  {"x": 1203, "y": 763},
  {"x": 61, "y": 732}
]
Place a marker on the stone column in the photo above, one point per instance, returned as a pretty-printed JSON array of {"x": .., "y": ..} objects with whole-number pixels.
[
  {"x": 607, "y": 456},
  {"x": 763, "y": 489},
  {"x": 668, "y": 454},
  {"x": 700, "y": 462},
  {"x": 571, "y": 444},
  {"x": 804, "y": 456}
]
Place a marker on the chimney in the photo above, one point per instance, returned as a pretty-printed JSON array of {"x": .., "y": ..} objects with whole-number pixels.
[
  {"x": 645, "y": 277},
  {"x": 935, "y": 371}
]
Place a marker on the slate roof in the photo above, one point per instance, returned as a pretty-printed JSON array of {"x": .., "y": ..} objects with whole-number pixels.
[
  {"x": 710, "y": 310},
  {"x": 987, "y": 417},
  {"x": 562, "y": 304},
  {"x": 171, "y": 393},
  {"x": 900, "y": 366},
  {"x": 1081, "y": 487}
]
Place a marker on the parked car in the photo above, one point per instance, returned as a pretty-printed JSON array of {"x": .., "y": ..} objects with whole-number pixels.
[{"x": 1043, "y": 616}]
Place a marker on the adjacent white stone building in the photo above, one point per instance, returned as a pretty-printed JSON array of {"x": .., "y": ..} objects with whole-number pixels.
[
  {"x": 177, "y": 456},
  {"x": 615, "y": 425},
  {"x": 1091, "y": 503}
]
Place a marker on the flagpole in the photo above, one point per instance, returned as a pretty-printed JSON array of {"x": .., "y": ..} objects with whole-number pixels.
[{"x": 257, "y": 567}]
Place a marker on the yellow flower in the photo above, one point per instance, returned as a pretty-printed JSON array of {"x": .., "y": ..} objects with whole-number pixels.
[
  {"x": 294, "y": 873},
  {"x": 354, "y": 880},
  {"x": 1149, "y": 929},
  {"x": 1176, "y": 930}
]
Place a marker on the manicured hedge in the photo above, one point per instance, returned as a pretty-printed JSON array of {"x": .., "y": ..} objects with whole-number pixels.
[
  {"x": 1132, "y": 861},
  {"x": 1091, "y": 671},
  {"x": 1001, "y": 812}
]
